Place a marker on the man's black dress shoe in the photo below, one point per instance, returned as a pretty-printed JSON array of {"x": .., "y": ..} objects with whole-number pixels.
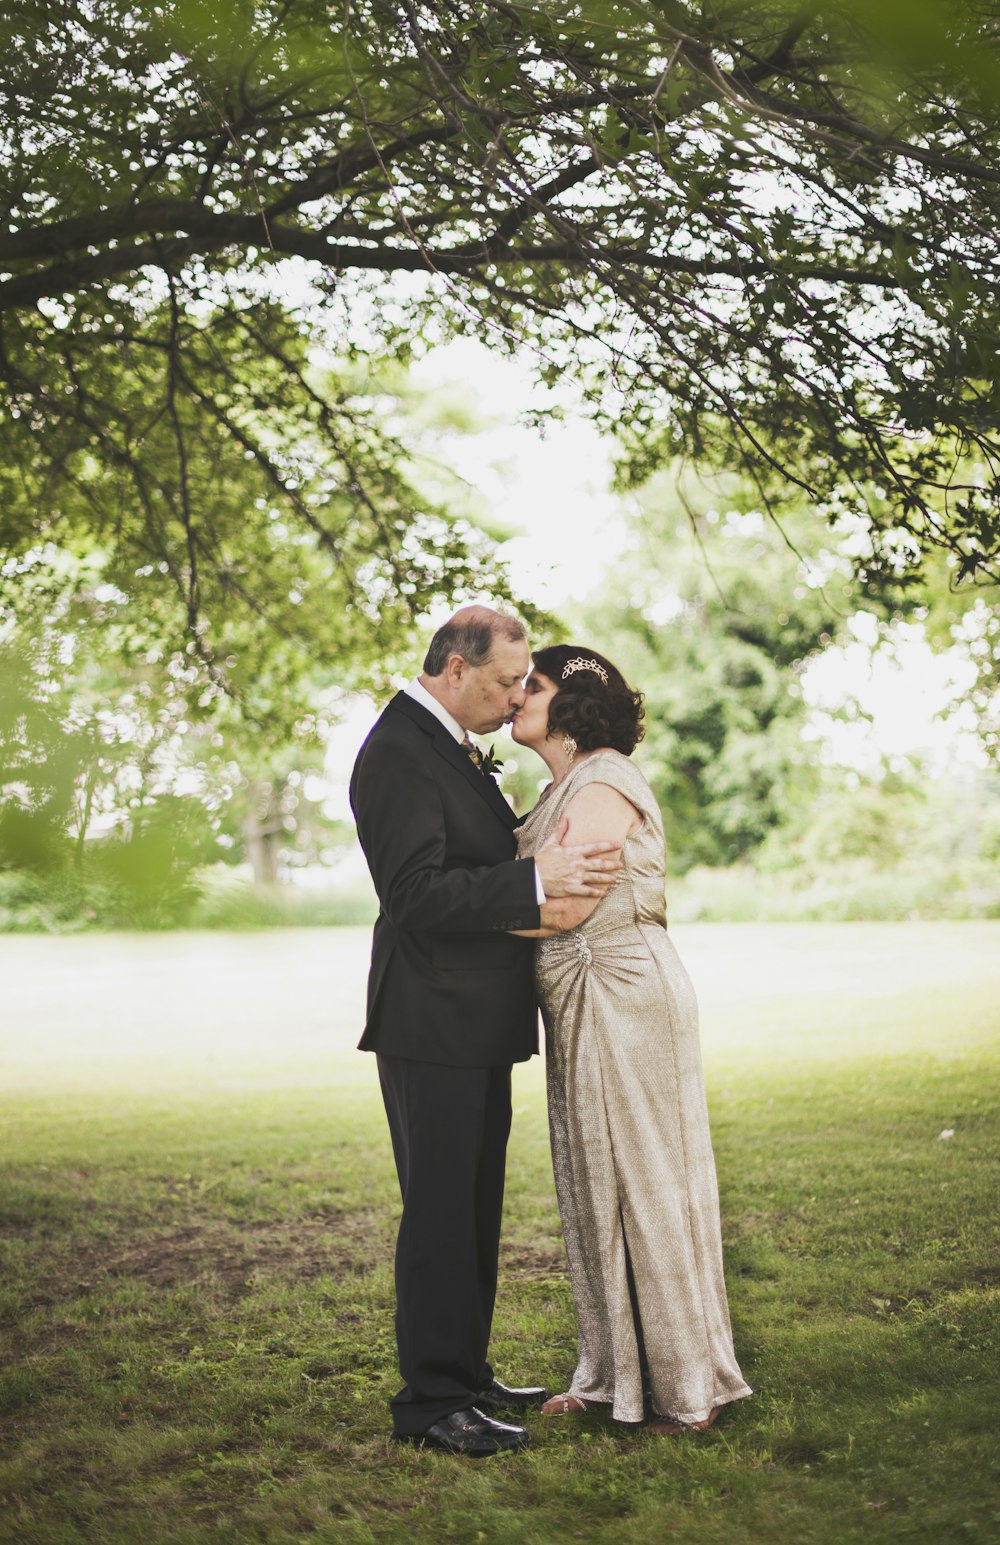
[
  {"x": 469, "y": 1432},
  {"x": 497, "y": 1397}
]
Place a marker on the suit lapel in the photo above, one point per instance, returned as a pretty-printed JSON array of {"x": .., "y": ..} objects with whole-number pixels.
[{"x": 448, "y": 747}]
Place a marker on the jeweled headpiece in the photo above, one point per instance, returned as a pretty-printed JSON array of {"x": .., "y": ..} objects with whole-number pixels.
[{"x": 580, "y": 664}]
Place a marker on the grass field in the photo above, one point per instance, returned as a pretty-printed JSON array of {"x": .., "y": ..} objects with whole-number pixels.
[{"x": 198, "y": 1211}]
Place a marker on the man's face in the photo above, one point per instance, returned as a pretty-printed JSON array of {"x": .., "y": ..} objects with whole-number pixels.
[
  {"x": 486, "y": 696},
  {"x": 531, "y": 722}
]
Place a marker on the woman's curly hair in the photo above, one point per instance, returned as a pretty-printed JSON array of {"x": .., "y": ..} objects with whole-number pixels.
[{"x": 594, "y": 712}]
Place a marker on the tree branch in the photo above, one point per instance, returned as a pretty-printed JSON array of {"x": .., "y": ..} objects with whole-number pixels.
[{"x": 218, "y": 232}]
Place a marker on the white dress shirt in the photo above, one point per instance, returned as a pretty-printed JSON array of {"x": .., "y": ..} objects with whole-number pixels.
[{"x": 420, "y": 694}]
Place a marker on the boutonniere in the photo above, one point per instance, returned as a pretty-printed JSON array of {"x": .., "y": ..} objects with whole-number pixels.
[{"x": 488, "y": 763}]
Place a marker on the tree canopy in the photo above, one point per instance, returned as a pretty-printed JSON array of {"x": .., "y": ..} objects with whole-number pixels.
[{"x": 762, "y": 236}]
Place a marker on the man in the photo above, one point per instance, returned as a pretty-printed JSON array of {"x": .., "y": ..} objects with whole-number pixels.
[{"x": 450, "y": 1007}]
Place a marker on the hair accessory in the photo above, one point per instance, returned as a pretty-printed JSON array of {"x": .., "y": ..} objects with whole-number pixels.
[
  {"x": 570, "y": 747},
  {"x": 580, "y": 664}
]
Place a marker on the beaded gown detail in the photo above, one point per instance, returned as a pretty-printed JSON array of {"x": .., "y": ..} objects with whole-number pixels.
[{"x": 631, "y": 1149}]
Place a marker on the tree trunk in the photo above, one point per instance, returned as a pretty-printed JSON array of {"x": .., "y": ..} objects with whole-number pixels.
[{"x": 262, "y": 831}]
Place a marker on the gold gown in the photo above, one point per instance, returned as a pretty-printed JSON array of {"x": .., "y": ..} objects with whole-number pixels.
[{"x": 631, "y": 1149}]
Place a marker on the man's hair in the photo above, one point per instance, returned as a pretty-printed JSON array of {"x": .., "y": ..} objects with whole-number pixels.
[{"x": 471, "y": 637}]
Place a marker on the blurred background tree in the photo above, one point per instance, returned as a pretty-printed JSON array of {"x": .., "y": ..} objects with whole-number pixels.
[{"x": 717, "y": 611}]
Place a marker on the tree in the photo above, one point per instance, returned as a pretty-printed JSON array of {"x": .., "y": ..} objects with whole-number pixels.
[
  {"x": 173, "y": 751},
  {"x": 762, "y": 235},
  {"x": 118, "y": 780},
  {"x": 714, "y": 616},
  {"x": 241, "y": 506}
]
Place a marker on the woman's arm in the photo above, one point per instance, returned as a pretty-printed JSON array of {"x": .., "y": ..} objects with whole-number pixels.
[{"x": 598, "y": 812}]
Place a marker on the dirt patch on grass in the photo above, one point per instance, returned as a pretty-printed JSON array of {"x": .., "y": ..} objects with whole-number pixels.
[
  {"x": 233, "y": 1257},
  {"x": 528, "y": 1260},
  {"x": 979, "y": 1277}
]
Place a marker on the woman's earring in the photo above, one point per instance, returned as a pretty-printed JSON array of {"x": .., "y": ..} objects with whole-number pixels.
[{"x": 569, "y": 747}]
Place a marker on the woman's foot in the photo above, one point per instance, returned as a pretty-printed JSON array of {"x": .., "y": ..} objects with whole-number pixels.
[
  {"x": 663, "y": 1426},
  {"x": 559, "y": 1405}
]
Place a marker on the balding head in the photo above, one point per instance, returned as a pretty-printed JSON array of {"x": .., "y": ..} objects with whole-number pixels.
[
  {"x": 473, "y": 633},
  {"x": 475, "y": 665}
]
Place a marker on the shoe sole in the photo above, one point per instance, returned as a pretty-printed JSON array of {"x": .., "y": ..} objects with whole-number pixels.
[{"x": 419, "y": 1441}]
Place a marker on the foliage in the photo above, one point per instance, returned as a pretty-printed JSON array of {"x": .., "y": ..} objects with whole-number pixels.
[
  {"x": 82, "y": 738},
  {"x": 841, "y": 891},
  {"x": 242, "y": 520},
  {"x": 713, "y": 613},
  {"x": 232, "y": 905},
  {"x": 145, "y": 879},
  {"x": 898, "y": 847},
  {"x": 762, "y": 235},
  {"x": 110, "y": 708},
  {"x": 117, "y": 786}
]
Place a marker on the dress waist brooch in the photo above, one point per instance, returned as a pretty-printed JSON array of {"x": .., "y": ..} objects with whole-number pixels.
[{"x": 562, "y": 945}]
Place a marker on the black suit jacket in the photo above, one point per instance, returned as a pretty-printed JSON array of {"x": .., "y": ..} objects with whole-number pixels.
[{"x": 448, "y": 984}]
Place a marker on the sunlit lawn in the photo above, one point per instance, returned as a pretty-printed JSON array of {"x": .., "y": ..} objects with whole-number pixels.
[{"x": 198, "y": 1210}]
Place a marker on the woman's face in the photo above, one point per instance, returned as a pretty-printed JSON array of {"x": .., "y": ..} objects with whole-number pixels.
[{"x": 530, "y": 725}]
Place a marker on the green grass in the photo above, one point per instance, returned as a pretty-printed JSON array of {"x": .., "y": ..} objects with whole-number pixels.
[{"x": 199, "y": 1206}]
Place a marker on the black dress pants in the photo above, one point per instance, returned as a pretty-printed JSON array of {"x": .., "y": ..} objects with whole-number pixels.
[{"x": 449, "y": 1130}]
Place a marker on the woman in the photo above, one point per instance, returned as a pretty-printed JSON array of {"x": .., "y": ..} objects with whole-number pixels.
[{"x": 634, "y": 1170}]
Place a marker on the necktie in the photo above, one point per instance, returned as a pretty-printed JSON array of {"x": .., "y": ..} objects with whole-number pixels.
[{"x": 473, "y": 752}]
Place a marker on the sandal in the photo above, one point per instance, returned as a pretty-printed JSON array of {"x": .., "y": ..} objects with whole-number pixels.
[
  {"x": 665, "y": 1426},
  {"x": 559, "y": 1405}
]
